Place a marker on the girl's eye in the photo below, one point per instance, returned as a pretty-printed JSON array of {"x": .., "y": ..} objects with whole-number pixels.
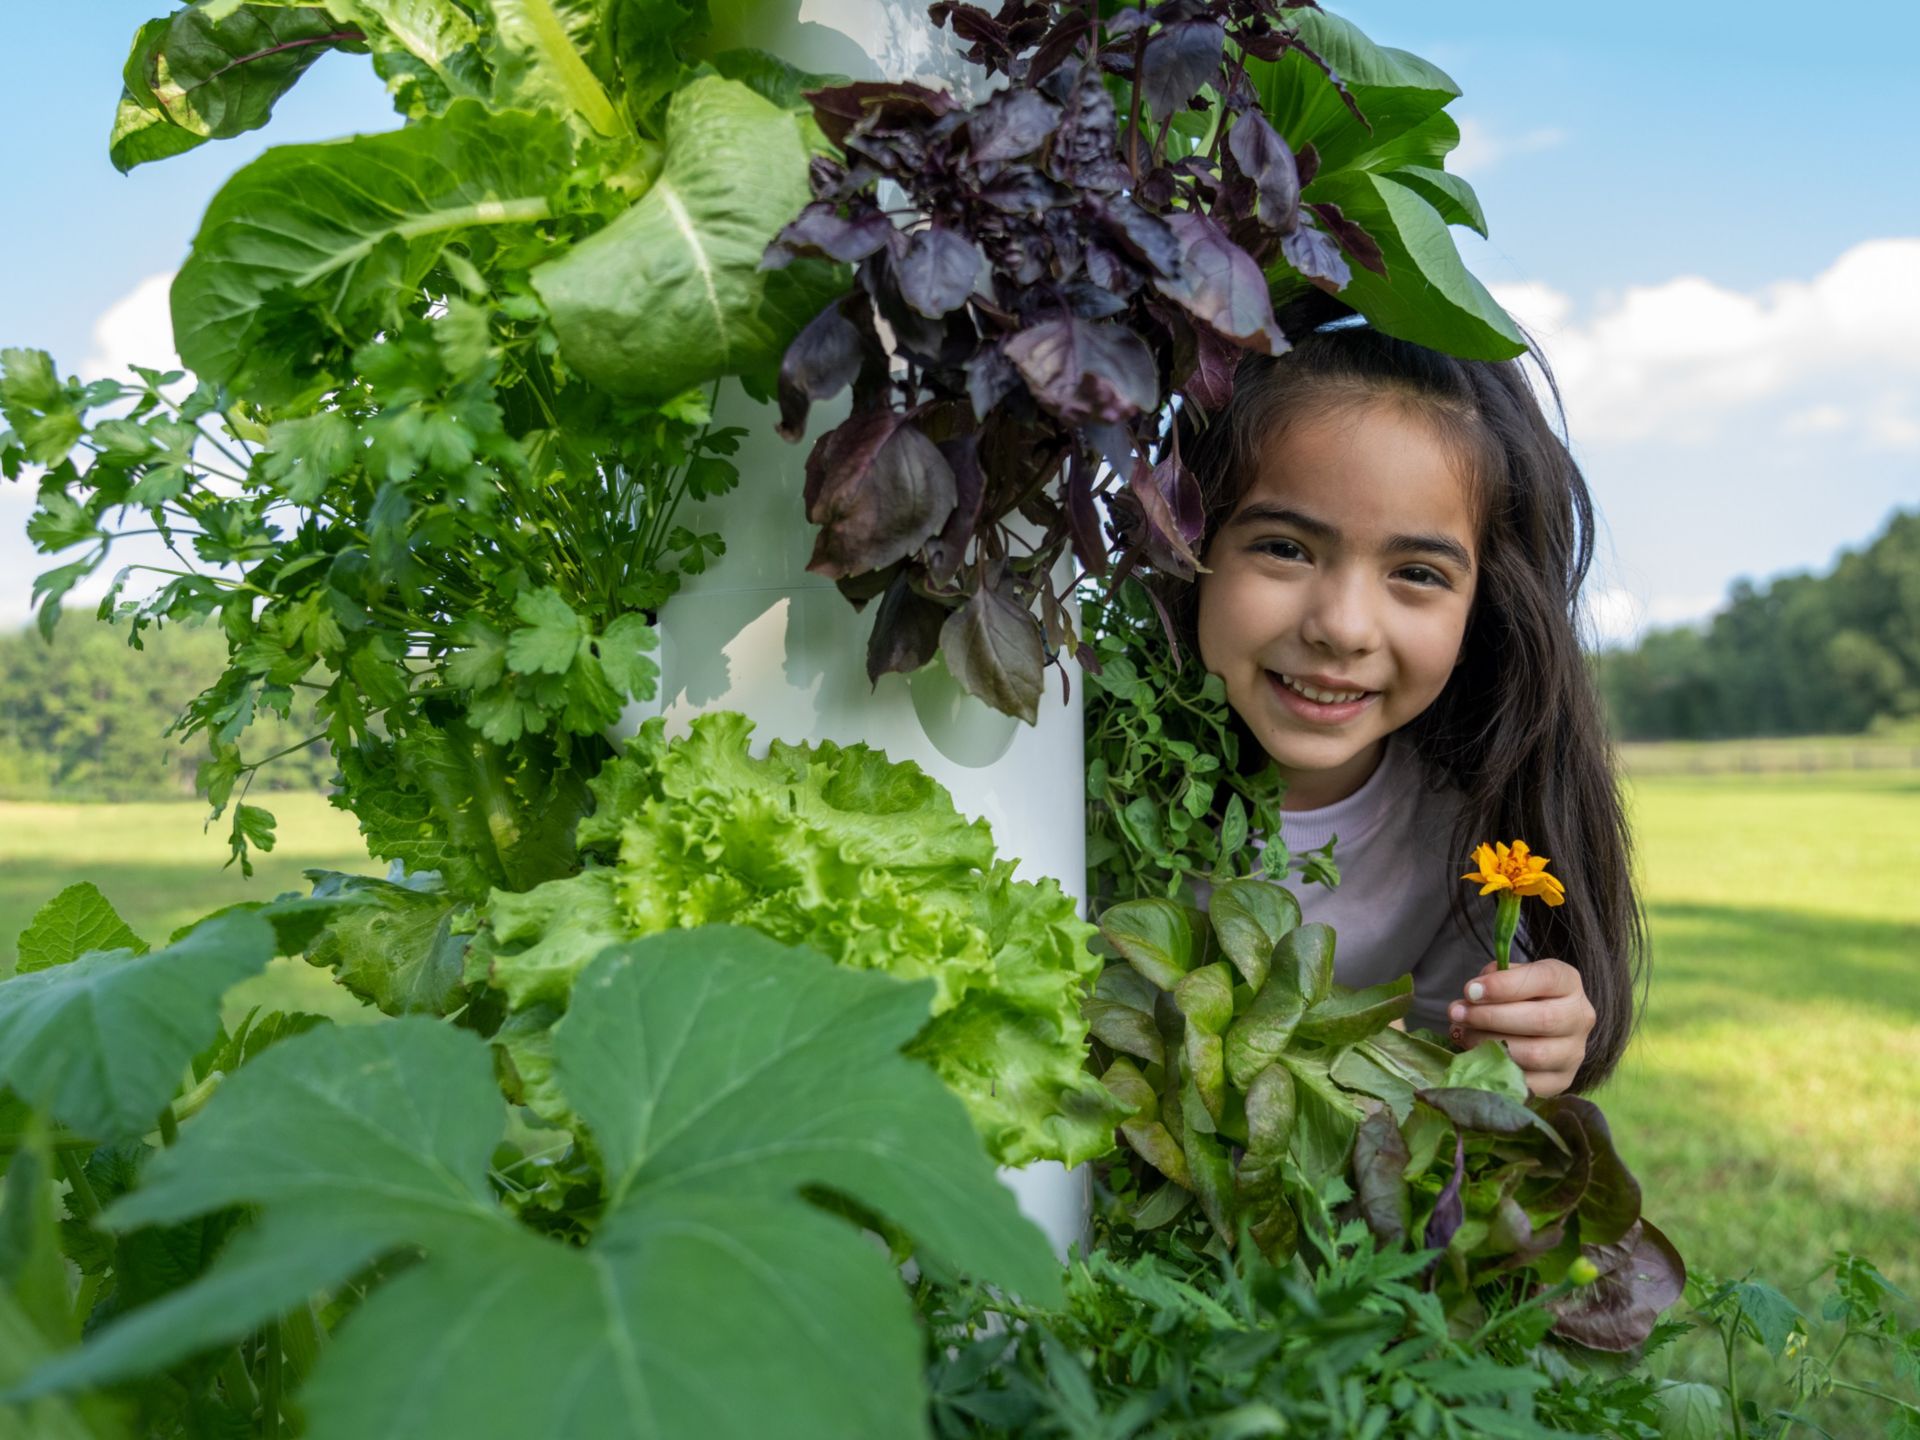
[
  {"x": 1422, "y": 575},
  {"x": 1280, "y": 549}
]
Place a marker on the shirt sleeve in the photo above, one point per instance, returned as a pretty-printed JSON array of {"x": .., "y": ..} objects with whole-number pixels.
[{"x": 1440, "y": 975}]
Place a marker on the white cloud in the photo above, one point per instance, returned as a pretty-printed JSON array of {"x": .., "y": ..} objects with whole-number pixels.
[
  {"x": 1482, "y": 148},
  {"x": 137, "y": 329},
  {"x": 1817, "y": 420},
  {"x": 1619, "y": 616},
  {"x": 1690, "y": 361},
  {"x": 1613, "y": 616}
]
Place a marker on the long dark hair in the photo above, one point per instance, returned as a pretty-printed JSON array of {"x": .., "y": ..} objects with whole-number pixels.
[{"x": 1519, "y": 729}]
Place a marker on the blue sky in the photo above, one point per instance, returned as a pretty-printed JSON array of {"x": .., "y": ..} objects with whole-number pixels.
[{"x": 1707, "y": 214}]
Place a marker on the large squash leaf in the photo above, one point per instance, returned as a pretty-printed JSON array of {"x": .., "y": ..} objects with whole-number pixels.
[
  {"x": 346, "y": 227},
  {"x": 671, "y": 293},
  {"x": 721, "y": 1075},
  {"x": 100, "y": 1042}
]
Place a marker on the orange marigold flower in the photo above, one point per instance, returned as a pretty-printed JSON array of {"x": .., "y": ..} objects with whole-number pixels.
[{"x": 1514, "y": 868}]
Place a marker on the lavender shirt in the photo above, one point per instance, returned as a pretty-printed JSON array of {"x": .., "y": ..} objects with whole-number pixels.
[{"x": 1397, "y": 869}]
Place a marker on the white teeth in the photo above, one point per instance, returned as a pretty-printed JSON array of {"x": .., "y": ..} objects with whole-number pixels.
[{"x": 1325, "y": 697}]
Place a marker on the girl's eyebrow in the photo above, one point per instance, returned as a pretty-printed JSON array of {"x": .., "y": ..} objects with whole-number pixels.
[{"x": 1444, "y": 546}]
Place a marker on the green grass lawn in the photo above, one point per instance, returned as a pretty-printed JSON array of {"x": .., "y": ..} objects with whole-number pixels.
[
  {"x": 160, "y": 869},
  {"x": 1767, "y": 1105}
]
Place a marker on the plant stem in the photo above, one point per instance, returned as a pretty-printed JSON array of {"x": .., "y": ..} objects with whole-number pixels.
[
  {"x": 89, "y": 1292},
  {"x": 169, "y": 1127},
  {"x": 76, "y": 1172},
  {"x": 239, "y": 1384},
  {"x": 1906, "y": 1405},
  {"x": 270, "y": 1399},
  {"x": 1733, "y": 1380},
  {"x": 1506, "y": 921}
]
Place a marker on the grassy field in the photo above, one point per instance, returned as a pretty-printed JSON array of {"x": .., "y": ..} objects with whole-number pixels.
[
  {"x": 161, "y": 869},
  {"x": 1767, "y": 1105}
]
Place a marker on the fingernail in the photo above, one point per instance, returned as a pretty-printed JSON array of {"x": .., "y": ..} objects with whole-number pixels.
[
  {"x": 1476, "y": 991},
  {"x": 1458, "y": 1012}
]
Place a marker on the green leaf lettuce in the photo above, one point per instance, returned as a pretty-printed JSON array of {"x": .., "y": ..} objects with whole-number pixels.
[{"x": 837, "y": 848}]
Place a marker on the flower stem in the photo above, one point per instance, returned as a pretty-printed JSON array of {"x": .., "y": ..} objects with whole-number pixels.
[{"x": 1505, "y": 921}]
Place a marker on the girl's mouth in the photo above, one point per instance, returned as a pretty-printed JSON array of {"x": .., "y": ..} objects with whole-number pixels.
[{"x": 1319, "y": 712}]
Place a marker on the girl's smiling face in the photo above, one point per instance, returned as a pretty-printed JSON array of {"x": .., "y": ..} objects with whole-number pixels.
[{"x": 1349, "y": 565}]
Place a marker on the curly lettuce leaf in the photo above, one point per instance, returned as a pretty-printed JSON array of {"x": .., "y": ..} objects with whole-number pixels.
[{"x": 842, "y": 850}]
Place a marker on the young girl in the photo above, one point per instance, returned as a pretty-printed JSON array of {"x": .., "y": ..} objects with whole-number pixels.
[{"x": 1394, "y": 546}]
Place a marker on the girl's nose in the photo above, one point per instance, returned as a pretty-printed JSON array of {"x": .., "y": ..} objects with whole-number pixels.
[{"x": 1339, "y": 618}]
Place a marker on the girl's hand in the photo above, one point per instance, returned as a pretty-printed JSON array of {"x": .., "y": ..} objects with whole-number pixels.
[{"x": 1539, "y": 1010}]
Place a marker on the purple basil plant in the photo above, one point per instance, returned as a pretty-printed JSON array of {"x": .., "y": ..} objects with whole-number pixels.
[{"x": 1039, "y": 276}]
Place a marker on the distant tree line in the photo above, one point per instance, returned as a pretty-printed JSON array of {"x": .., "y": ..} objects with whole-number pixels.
[
  {"x": 85, "y": 716},
  {"x": 1801, "y": 655}
]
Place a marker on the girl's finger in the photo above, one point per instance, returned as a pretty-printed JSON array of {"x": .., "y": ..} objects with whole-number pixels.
[
  {"x": 1524, "y": 1017},
  {"x": 1535, "y": 980}
]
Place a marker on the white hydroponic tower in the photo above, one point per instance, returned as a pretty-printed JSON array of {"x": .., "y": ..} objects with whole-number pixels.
[{"x": 758, "y": 634}]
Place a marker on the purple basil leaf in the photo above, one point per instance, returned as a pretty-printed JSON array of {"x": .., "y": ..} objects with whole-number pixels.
[
  {"x": 906, "y": 630},
  {"x": 1263, "y": 157},
  {"x": 841, "y": 107},
  {"x": 946, "y": 551},
  {"x": 1083, "y": 371},
  {"x": 1126, "y": 22},
  {"x": 969, "y": 22},
  {"x": 990, "y": 376},
  {"x": 1011, "y": 124},
  {"x": 1083, "y": 516},
  {"x": 819, "y": 231},
  {"x": 1178, "y": 61},
  {"x": 1448, "y": 1211},
  {"x": 1113, "y": 442},
  {"x": 938, "y": 270},
  {"x": 1154, "y": 493},
  {"x": 1184, "y": 499},
  {"x": 1353, "y": 239},
  {"x": 1146, "y": 237},
  {"x": 1156, "y": 188},
  {"x": 1220, "y": 285},
  {"x": 1311, "y": 251},
  {"x": 940, "y": 343},
  {"x": 1022, "y": 191},
  {"x": 1307, "y": 163},
  {"x": 992, "y": 646},
  {"x": 1083, "y": 146},
  {"x": 1096, "y": 301},
  {"x": 1209, "y": 384},
  {"x": 1054, "y": 51},
  {"x": 878, "y": 489},
  {"x": 1111, "y": 272},
  {"x": 821, "y": 362}
]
